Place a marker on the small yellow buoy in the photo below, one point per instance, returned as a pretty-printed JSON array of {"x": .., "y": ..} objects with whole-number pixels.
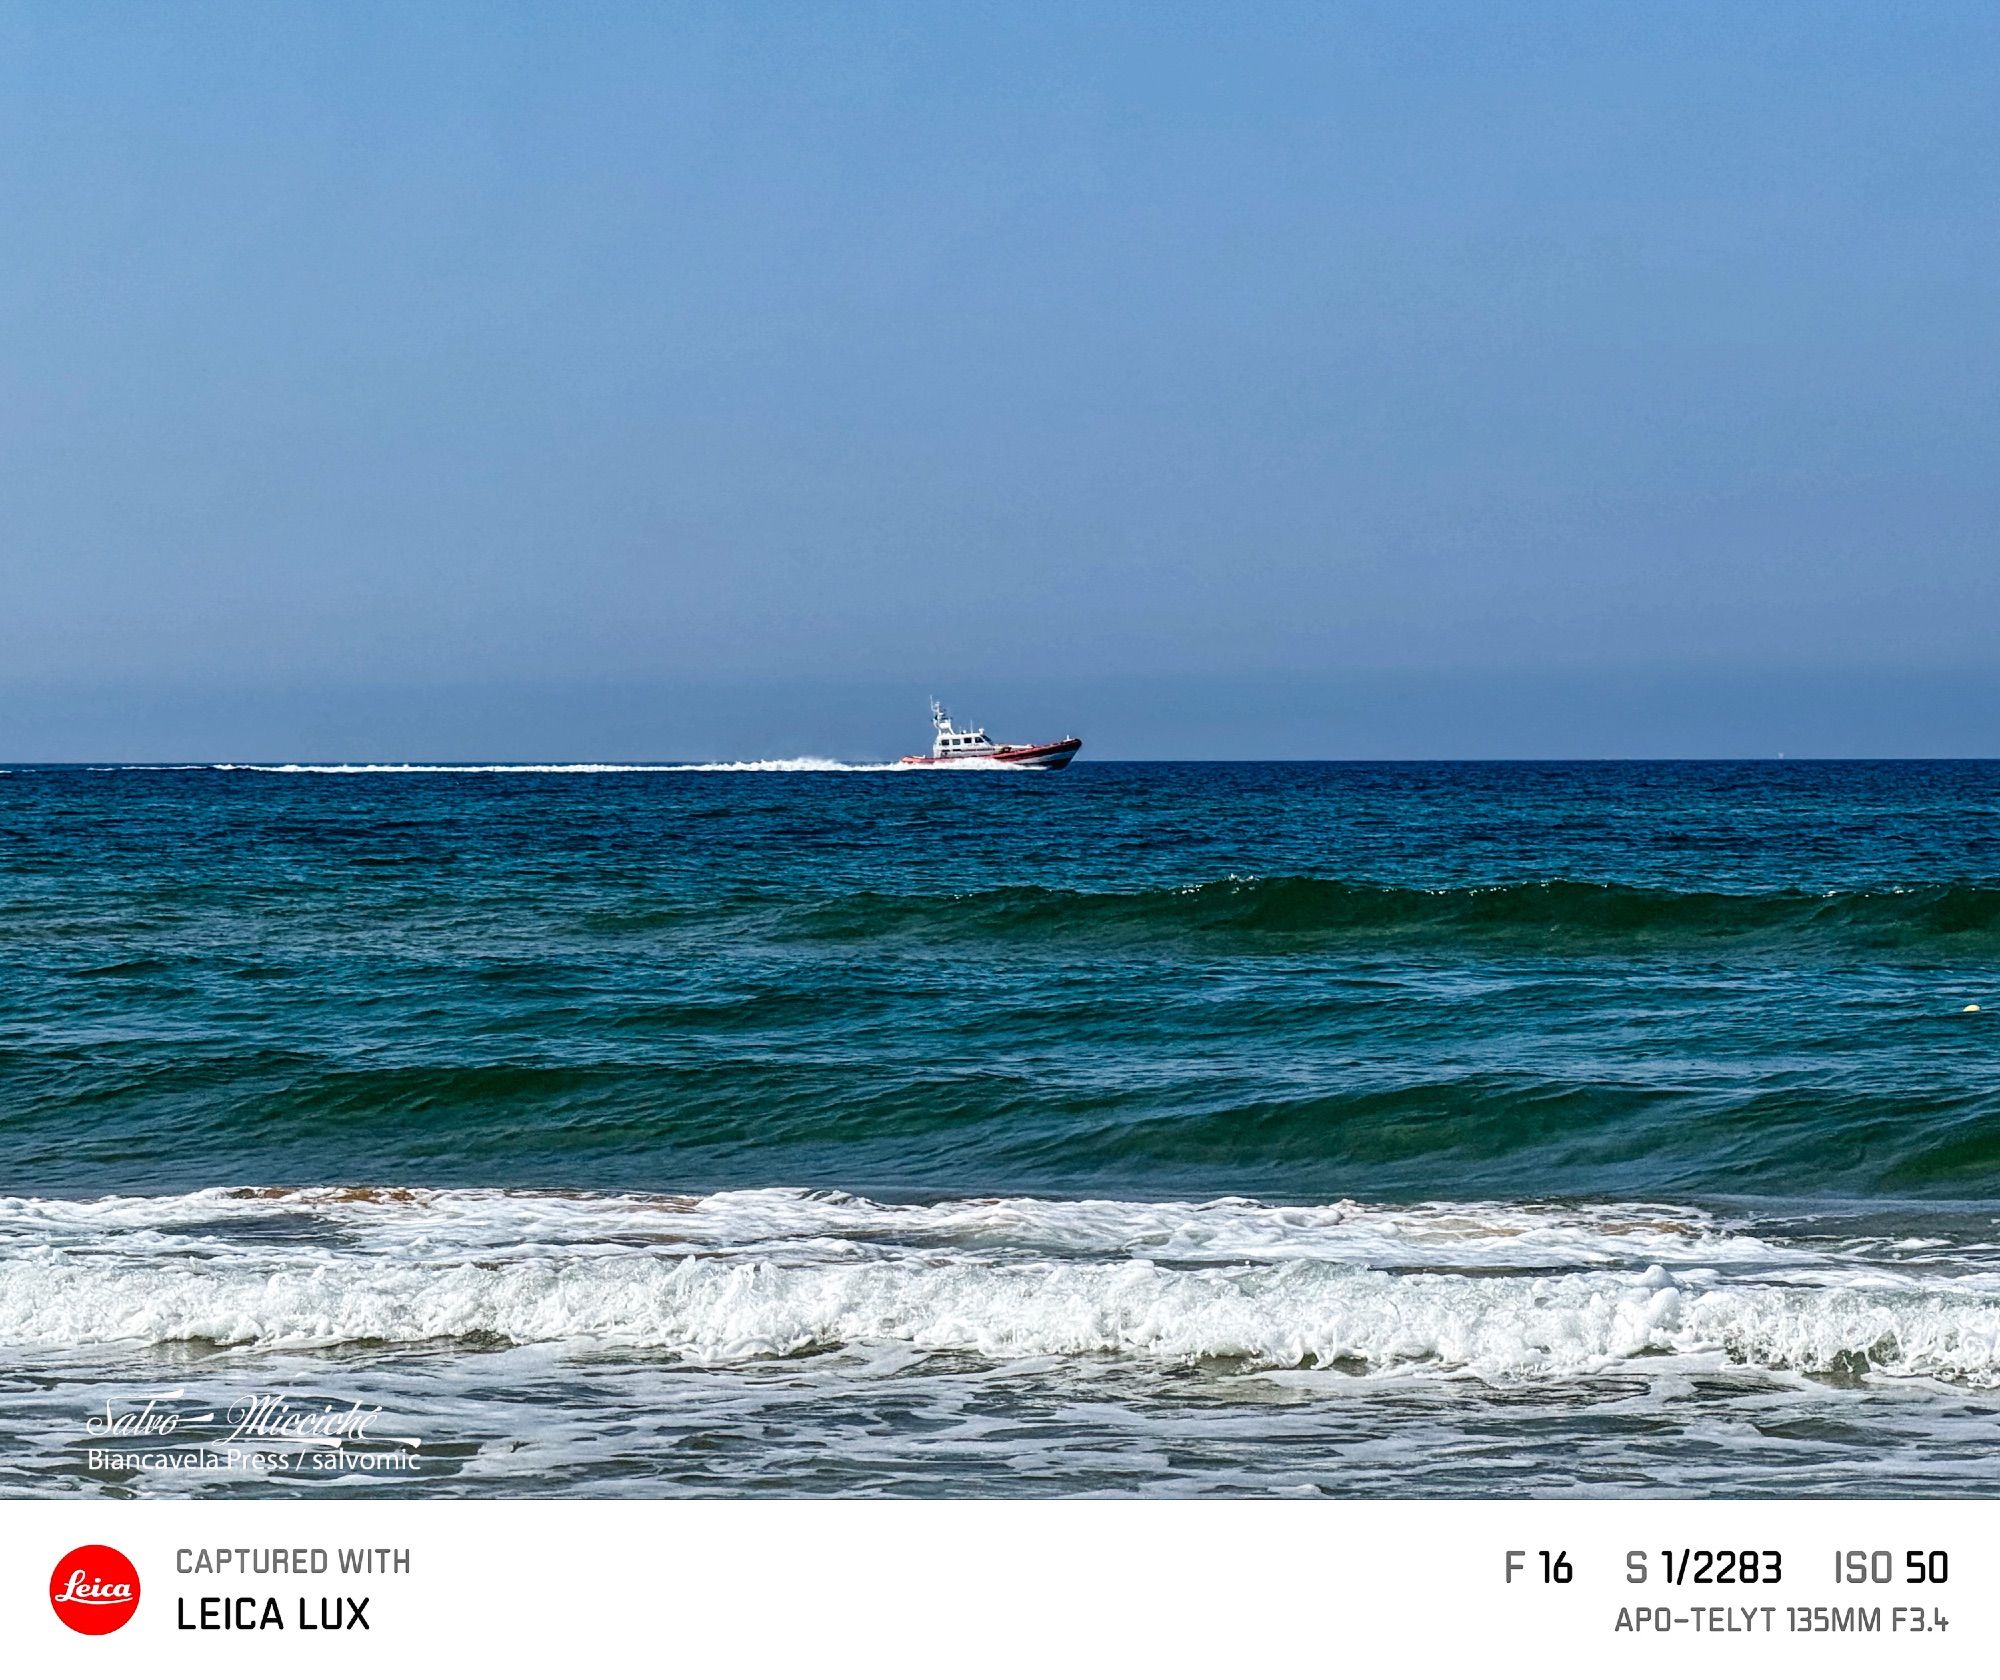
[{"x": 1970, "y": 1009}]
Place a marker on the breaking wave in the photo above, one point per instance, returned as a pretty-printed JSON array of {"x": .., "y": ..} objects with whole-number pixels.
[{"x": 1507, "y": 1293}]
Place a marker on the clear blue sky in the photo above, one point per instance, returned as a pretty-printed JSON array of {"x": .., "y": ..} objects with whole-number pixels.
[{"x": 470, "y": 381}]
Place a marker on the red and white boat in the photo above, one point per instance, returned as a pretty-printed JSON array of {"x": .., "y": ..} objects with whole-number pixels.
[{"x": 973, "y": 746}]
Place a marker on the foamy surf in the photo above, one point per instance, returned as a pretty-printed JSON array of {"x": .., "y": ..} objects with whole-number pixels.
[
  {"x": 1294, "y": 1315},
  {"x": 1505, "y": 1293},
  {"x": 497, "y": 1223}
]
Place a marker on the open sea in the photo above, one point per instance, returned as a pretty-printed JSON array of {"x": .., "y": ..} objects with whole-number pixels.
[{"x": 1141, "y": 1129}]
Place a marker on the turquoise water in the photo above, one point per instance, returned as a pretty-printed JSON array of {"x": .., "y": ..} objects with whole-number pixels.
[{"x": 1141, "y": 1128}]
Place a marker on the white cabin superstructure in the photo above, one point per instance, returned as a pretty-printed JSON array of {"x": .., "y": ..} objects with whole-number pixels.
[{"x": 953, "y": 742}]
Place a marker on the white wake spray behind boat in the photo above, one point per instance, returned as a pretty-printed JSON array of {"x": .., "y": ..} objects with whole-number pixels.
[{"x": 973, "y": 746}]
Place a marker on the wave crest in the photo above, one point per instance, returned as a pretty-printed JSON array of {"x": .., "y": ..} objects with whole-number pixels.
[
  {"x": 1296, "y": 1314},
  {"x": 1552, "y": 914},
  {"x": 1507, "y": 1293}
]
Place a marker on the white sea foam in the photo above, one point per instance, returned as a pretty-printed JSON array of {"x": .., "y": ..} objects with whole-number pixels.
[
  {"x": 1467, "y": 1235},
  {"x": 1504, "y": 1292},
  {"x": 716, "y": 1311},
  {"x": 781, "y": 766},
  {"x": 764, "y": 764}
]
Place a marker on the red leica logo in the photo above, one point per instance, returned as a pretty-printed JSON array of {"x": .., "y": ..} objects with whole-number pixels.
[{"x": 95, "y": 1589}]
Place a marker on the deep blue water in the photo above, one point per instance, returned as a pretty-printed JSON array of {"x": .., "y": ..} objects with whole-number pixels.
[{"x": 1292, "y": 981}]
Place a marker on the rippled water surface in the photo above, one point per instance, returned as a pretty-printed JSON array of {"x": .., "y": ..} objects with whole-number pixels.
[{"x": 1138, "y": 1129}]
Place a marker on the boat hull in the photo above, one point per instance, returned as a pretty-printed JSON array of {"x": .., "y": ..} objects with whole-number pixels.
[{"x": 1050, "y": 755}]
